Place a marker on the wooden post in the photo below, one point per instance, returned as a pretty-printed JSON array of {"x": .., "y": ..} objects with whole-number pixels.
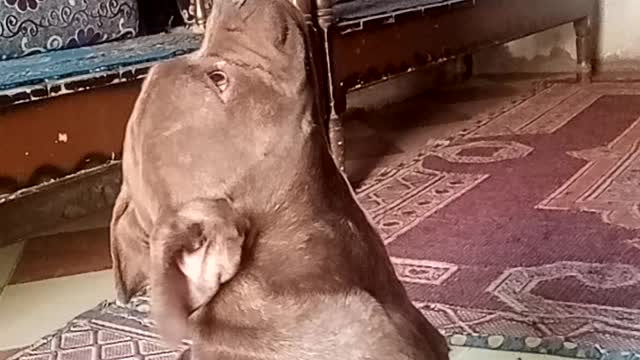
[
  {"x": 201, "y": 16},
  {"x": 584, "y": 49}
]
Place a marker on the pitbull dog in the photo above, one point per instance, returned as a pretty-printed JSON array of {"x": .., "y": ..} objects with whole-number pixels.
[{"x": 234, "y": 212}]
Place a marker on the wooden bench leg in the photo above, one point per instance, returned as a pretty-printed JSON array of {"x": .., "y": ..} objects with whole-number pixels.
[
  {"x": 336, "y": 140},
  {"x": 584, "y": 49},
  {"x": 201, "y": 17},
  {"x": 332, "y": 98}
]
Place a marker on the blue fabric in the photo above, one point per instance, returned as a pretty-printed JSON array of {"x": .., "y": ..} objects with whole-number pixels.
[
  {"x": 35, "y": 26},
  {"x": 99, "y": 58},
  {"x": 348, "y": 10}
]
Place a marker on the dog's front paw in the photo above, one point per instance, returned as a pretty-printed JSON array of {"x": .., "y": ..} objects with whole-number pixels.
[
  {"x": 193, "y": 251},
  {"x": 211, "y": 253}
]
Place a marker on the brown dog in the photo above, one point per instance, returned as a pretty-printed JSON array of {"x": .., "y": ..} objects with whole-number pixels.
[{"x": 234, "y": 211}]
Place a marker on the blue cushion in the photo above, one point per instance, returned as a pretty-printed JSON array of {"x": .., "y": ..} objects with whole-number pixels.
[
  {"x": 35, "y": 26},
  {"x": 109, "y": 57},
  {"x": 350, "y": 10}
]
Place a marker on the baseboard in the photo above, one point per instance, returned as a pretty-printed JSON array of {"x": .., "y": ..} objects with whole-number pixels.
[
  {"x": 619, "y": 66},
  {"x": 557, "y": 66}
]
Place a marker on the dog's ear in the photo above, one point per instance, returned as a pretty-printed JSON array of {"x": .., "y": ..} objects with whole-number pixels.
[
  {"x": 193, "y": 252},
  {"x": 129, "y": 251}
]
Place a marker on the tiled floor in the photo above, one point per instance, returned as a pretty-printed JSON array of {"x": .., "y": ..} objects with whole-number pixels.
[
  {"x": 33, "y": 309},
  {"x": 55, "y": 277}
]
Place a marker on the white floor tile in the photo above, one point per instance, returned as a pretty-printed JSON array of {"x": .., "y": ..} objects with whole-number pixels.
[
  {"x": 459, "y": 353},
  {"x": 31, "y": 310}
]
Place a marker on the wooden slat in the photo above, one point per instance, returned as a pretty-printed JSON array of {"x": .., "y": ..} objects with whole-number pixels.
[{"x": 30, "y": 211}]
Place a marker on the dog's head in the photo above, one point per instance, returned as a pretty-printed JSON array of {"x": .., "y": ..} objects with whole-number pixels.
[
  {"x": 205, "y": 120},
  {"x": 204, "y": 125},
  {"x": 258, "y": 34}
]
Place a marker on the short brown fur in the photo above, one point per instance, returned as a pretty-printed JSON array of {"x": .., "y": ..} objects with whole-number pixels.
[{"x": 229, "y": 136}]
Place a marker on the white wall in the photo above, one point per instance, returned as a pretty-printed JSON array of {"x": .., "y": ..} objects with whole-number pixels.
[{"x": 554, "y": 50}]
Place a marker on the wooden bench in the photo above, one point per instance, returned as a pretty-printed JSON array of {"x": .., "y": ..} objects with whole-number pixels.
[
  {"x": 359, "y": 42},
  {"x": 354, "y": 43},
  {"x": 38, "y": 95}
]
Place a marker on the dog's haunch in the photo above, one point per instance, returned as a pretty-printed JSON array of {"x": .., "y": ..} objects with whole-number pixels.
[{"x": 194, "y": 250}]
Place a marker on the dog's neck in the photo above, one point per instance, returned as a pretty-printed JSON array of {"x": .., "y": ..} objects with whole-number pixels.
[{"x": 302, "y": 176}]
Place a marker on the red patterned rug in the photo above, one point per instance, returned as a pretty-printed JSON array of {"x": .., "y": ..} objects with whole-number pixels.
[
  {"x": 527, "y": 225},
  {"x": 520, "y": 233}
]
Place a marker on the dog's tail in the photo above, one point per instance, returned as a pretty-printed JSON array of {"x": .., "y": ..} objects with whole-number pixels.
[{"x": 193, "y": 251}]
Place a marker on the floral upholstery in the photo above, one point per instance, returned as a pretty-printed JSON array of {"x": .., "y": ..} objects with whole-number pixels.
[{"x": 34, "y": 26}]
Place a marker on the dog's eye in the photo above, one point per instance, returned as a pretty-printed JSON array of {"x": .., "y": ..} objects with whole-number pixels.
[{"x": 220, "y": 79}]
